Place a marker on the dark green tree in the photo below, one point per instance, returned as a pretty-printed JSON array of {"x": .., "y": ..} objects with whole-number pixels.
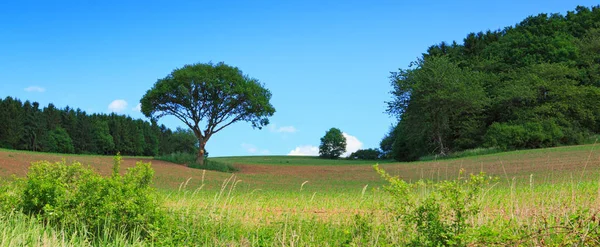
[
  {"x": 58, "y": 141},
  {"x": 440, "y": 100},
  {"x": 103, "y": 141},
  {"x": 184, "y": 140},
  {"x": 333, "y": 144},
  {"x": 33, "y": 128},
  {"x": 11, "y": 125},
  {"x": 534, "y": 84},
  {"x": 212, "y": 95}
]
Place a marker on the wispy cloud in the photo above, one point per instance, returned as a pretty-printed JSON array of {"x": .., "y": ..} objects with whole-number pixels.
[
  {"x": 283, "y": 129},
  {"x": 306, "y": 150},
  {"x": 35, "y": 89},
  {"x": 117, "y": 106}
]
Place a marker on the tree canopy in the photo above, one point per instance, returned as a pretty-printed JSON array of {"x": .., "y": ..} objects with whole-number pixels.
[
  {"x": 207, "y": 98},
  {"x": 26, "y": 126},
  {"x": 535, "y": 84},
  {"x": 333, "y": 144}
]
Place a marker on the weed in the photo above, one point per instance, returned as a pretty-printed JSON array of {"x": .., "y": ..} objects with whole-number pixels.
[{"x": 436, "y": 213}]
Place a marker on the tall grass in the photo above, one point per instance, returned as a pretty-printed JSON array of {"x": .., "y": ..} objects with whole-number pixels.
[
  {"x": 525, "y": 213},
  {"x": 553, "y": 208}
]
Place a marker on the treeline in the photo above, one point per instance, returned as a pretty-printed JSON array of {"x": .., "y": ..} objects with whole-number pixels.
[
  {"x": 24, "y": 126},
  {"x": 532, "y": 85}
]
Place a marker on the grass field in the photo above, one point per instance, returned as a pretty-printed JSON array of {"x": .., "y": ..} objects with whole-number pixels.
[{"x": 545, "y": 197}]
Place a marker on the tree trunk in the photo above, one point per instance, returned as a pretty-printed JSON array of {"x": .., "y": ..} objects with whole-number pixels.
[
  {"x": 441, "y": 143},
  {"x": 200, "y": 157}
]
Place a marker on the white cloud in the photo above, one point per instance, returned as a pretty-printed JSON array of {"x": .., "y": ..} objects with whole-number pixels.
[
  {"x": 117, "y": 106},
  {"x": 251, "y": 149},
  {"x": 306, "y": 150},
  {"x": 282, "y": 129},
  {"x": 352, "y": 144},
  {"x": 138, "y": 107},
  {"x": 35, "y": 89}
]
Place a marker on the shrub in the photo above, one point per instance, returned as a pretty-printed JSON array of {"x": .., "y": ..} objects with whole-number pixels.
[
  {"x": 366, "y": 154},
  {"x": 189, "y": 160},
  {"x": 436, "y": 214},
  {"x": 214, "y": 166},
  {"x": 178, "y": 158},
  {"x": 74, "y": 195},
  {"x": 461, "y": 154},
  {"x": 540, "y": 134}
]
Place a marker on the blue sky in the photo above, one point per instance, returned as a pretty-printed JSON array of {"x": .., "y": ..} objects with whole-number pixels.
[{"x": 325, "y": 62}]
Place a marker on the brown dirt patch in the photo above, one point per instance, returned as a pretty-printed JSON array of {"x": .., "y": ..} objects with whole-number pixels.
[{"x": 548, "y": 165}]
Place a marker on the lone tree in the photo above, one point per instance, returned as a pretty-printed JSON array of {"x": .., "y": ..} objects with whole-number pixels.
[
  {"x": 216, "y": 95},
  {"x": 333, "y": 144}
]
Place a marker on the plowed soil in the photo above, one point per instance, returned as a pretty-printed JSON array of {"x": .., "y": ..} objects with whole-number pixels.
[{"x": 574, "y": 162}]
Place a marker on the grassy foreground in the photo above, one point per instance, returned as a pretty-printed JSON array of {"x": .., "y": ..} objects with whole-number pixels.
[{"x": 546, "y": 197}]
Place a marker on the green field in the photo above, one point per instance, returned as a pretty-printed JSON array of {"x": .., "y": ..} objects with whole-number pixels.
[{"x": 546, "y": 197}]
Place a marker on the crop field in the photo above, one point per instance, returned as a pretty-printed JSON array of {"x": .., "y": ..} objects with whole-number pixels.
[{"x": 542, "y": 197}]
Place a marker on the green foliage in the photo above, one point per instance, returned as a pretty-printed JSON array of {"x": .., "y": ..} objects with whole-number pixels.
[
  {"x": 62, "y": 194},
  {"x": 11, "y": 122},
  {"x": 366, "y": 154},
  {"x": 461, "y": 154},
  {"x": 387, "y": 143},
  {"x": 189, "y": 160},
  {"x": 178, "y": 158},
  {"x": 25, "y": 126},
  {"x": 217, "y": 94},
  {"x": 333, "y": 144},
  {"x": 58, "y": 141},
  {"x": 529, "y": 135},
  {"x": 213, "y": 165},
  {"x": 184, "y": 141},
  {"x": 10, "y": 196},
  {"x": 436, "y": 213},
  {"x": 102, "y": 139},
  {"x": 531, "y": 85},
  {"x": 442, "y": 100}
]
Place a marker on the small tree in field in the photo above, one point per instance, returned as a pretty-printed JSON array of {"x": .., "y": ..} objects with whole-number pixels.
[
  {"x": 216, "y": 95},
  {"x": 333, "y": 144}
]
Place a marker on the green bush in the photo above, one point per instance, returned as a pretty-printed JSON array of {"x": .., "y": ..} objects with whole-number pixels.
[
  {"x": 461, "y": 154},
  {"x": 214, "y": 166},
  {"x": 539, "y": 134},
  {"x": 436, "y": 214},
  {"x": 178, "y": 158},
  {"x": 189, "y": 160},
  {"x": 366, "y": 154},
  {"x": 74, "y": 195}
]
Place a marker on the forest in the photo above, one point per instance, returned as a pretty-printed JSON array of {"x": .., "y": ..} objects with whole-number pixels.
[
  {"x": 24, "y": 126},
  {"x": 532, "y": 85}
]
